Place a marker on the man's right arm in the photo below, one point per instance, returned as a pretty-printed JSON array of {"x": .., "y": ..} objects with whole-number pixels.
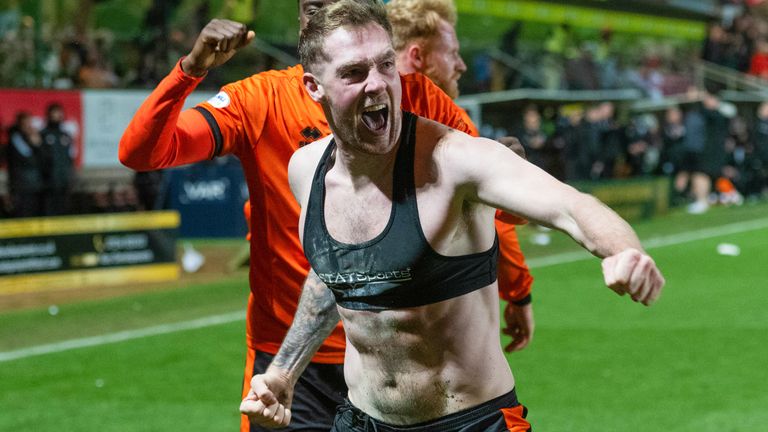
[
  {"x": 269, "y": 401},
  {"x": 315, "y": 319},
  {"x": 160, "y": 135}
]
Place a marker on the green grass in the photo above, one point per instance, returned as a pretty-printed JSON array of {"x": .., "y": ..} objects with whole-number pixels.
[
  {"x": 183, "y": 381},
  {"x": 695, "y": 361},
  {"x": 675, "y": 222},
  {"x": 32, "y": 327}
]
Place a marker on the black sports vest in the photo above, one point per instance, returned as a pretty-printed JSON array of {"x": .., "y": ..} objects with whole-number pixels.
[{"x": 398, "y": 268}]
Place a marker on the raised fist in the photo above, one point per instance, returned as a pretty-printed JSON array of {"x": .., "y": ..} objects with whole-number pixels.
[{"x": 215, "y": 45}]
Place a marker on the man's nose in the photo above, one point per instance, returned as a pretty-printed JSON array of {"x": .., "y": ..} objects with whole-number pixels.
[
  {"x": 375, "y": 83},
  {"x": 461, "y": 66}
]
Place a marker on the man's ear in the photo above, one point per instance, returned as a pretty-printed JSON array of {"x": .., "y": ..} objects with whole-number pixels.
[
  {"x": 415, "y": 56},
  {"x": 313, "y": 86}
]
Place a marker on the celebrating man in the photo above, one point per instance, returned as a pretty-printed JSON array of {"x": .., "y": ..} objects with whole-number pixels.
[
  {"x": 262, "y": 120},
  {"x": 397, "y": 220}
]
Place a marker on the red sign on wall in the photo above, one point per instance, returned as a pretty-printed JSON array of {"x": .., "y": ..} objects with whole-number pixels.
[{"x": 35, "y": 103}]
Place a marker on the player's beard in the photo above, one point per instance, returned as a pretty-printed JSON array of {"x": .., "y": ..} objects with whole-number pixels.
[
  {"x": 448, "y": 82},
  {"x": 348, "y": 128}
]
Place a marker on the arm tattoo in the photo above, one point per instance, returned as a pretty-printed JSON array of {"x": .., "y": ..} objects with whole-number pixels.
[{"x": 314, "y": 320}]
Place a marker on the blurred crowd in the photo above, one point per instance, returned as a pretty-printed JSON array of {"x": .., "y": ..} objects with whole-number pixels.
[
  {"x": 73, "y": 54},
  {"x": 567, "y": 60},
  {"x": 713, "y": 153},
  {"x": 81, "y": 57},
  {"x": 739, "y": 42},
  {"x": 39, "y": 165},
  {"x": 41, "y": 175}
]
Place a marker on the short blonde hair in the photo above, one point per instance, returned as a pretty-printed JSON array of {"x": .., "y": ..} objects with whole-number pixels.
[{"x": 418, "y": 20}]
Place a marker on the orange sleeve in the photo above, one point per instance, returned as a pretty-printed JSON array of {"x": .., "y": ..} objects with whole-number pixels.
[
  {"x": 247, "y": 214},
  {"x": 510, "y": 218},
  {"x": 160, "y": 135},
  {"x": 424, "y": 98},
  {"x": 515, "y": 279},
  {"x": 238, "y": 113}
]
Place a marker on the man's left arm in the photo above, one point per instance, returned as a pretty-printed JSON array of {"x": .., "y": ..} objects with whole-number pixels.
[{"x": 484, "y": 166}]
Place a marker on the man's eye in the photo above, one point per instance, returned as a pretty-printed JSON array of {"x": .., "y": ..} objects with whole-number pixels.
[
  {"x": 350, "y": 74},
  {"x": 311, "y": 10}
]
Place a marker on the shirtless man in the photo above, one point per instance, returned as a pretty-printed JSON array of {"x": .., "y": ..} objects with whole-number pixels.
[
  {"x": 263, "y": 119},
  {"x": 397, "y": 220}
]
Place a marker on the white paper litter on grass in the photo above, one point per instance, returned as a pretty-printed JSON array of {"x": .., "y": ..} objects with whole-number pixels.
[
  {"x": 191, "y": 260},
  {"x": 728, "y": 249}
]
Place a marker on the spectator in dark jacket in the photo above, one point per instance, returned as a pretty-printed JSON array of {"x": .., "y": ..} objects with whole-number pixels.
[
  {"x": 643, "y": 145},
  {"x": 25, "y": 176},
  {"x": 716, "y": 45},
  {"x": 586, "y": 154},
  {"x": 59, "y": 153},
  {"x": 533, "y": 139},
  {"x": 705, "y": 156},
  {"x": 567, "y": 143},
  {"x": 673, "y": 135},
  {"x": 149, "y": 186},
  {"x": 760, "y": 145}
]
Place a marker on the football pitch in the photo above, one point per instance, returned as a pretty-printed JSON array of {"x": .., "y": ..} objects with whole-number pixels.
[{"x": 172, "y": 359}]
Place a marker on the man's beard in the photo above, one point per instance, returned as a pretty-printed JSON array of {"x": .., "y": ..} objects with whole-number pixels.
[
  {"x": 449, "y": 86},
  {"x": 348, "y": 132}
]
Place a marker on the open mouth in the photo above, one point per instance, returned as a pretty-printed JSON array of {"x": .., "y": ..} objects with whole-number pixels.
[{"x": 375, "y": 117}]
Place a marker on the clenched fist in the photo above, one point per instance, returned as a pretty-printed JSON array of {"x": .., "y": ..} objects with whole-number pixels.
[
  {"x": 215, "y": 45},
  {"x": 633, "y": 272},
  {"x": 268, "y": 403}
]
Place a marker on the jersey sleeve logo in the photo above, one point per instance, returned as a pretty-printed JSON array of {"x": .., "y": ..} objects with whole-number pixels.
[
  {"x": 221, "y": 100},
  {"x": 310, "y": 134}
]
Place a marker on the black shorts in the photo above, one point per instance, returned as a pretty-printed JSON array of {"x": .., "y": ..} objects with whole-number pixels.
[
  {"x": 320, "y": 389},
  {"x": 711, "y": 165},
  {"x": 503, "y": 413},
  {"x": 691, "y": 162}
]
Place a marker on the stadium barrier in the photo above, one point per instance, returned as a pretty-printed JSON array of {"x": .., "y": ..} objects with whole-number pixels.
[
  {"x": 633, "y": 199},
  {"x": 42, "y": 254},
  {"x": 204, "y": 189}
]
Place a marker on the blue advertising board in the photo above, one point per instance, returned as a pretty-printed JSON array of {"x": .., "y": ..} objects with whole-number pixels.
[{"x": 210, "y": 197}]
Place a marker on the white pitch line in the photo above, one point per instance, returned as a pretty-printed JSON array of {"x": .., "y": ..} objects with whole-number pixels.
[
  {"x": 656, "y": 242},
  {"x": 706, "y": 233},
  {"x": 208, "y": 321}
]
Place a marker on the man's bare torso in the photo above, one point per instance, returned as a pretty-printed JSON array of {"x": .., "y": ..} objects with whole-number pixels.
[{"x": 411, "y": 365}]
